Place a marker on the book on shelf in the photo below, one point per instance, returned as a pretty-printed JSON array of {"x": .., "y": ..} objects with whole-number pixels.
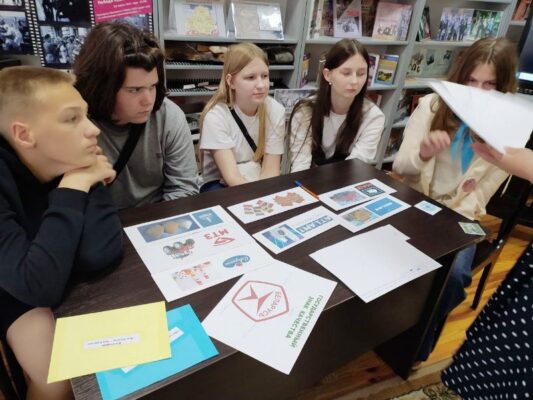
[
  {"x": 522, "y": 10},
  {"x": 347, "y": 18},
  {"x": 392, "y": 21},
  {"x": 305, "y": 68},
  {"x": 408, "y": 103},
  {"x": 485, "y": 23},
  {"x": 387, "y": 68},
  {"x": 315, "y": 21},
  {"x": 256, "y": 20},
  {"x": 424, "y": 31},
  {"x": 373, "y": 60},
  {"x": 455, "y": 24},
  {"x": 430, "y": 62},
  {"x": 326, "y": 27},
  {"x": 289, "y": 97},
  {"x": 197, "y": 17},
  {"x": 368, "y": 15}
]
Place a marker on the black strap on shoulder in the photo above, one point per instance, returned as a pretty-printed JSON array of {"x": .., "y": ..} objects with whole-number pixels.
[
  {"x": 129, "y": 146},
  {"x": 244, "y": 130}
]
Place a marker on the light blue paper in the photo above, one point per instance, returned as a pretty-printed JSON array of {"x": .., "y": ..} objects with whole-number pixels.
[{"x": 191, "y": 348}]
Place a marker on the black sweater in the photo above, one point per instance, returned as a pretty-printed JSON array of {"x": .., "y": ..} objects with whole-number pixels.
[{"x": 47, "y": 232}]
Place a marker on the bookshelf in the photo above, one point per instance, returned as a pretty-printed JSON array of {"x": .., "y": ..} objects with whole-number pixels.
[{"x": 296, "y": 15}]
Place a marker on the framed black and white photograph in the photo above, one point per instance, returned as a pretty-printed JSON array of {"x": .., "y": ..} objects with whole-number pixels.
[
  {"x": 15, "y": 37},
  {"x": 61, "y": 44},
  {"x": 63, "y": 11}
]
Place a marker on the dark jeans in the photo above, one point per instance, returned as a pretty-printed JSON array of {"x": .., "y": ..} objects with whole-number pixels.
[{"x": 212, "y": 186}]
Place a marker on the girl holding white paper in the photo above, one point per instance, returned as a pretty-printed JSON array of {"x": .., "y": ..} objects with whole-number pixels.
[
  {"x": 338, "y": 122},
  {"x": 242, "y": 128},
  {"x": 437, "y": 159}
]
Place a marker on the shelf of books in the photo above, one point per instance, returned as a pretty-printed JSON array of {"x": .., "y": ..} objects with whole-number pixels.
[
  {"x": 518, "y": 23},
  {"x": 182, "y": 65},
  {"x": 367, "y": 41},
  {"x": 229, "y": 38}
]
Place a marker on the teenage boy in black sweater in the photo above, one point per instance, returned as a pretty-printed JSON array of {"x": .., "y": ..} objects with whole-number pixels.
[{"x": 56, "y": 215}]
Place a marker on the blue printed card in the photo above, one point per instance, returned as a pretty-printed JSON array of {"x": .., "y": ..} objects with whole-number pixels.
[{"x": 189, "y": 345}]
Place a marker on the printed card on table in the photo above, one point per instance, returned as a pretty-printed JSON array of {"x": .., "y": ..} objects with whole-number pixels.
[
  {"x": 357, "y": 193},
  {"x": 168, "y": 243},
  {"x": 189, "y": 345},
  {"x": 194, "y": 276},
  {"x": 269, "y": 313},
  {"x": 371, "y": 212},
  {"x": 94, "y": 342},
  {"x": 296, "y": 230},
  {"x": 266, "y": 206}
]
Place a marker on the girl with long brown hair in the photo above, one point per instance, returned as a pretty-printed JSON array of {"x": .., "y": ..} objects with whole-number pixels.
[
  {"x": 337, "y": 122},
  {"x": 242, "y": 128},
  {"x": 437, "y": 159}
]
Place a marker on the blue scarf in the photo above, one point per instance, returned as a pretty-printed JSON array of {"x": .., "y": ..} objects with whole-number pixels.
[{"x": 466, "y": 148}]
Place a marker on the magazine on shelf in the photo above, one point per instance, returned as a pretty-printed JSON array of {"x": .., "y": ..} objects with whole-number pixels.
[
  {"x": 485, "y": 23},
  {"x": 387, "y": 68},
  {"x": 289, "y": 97},
  {"x": 368, "y": 15},
  {"x": 430, "y": 62},
  {"x": 347, "y": 18},
  {"x": 455, "y": 24},
  {"x": 392, "y": 21},
  {"x": 315, "y": 22},
  {"x": 373, "y": 60},
  {"x": 198, "y": 17},
  {"x": 257, "y": 20},
  {"x": 326, "y": 27},
  {"x": 424, "y": 31}
]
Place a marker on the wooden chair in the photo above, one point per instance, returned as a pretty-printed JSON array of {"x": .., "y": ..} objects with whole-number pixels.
[
  {"x": 12, "y": 383},
  {"x": 488, "y": 251}
]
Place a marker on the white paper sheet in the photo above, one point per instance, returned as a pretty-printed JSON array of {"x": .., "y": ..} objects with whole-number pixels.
[
  {"x": 354, "y": 194},
  {"x": 367, "y": 214},
  {"x": 501, "y": 119},
  {"x": 267, "y": 206},
  {"x": 375, "y": 262},
  {"x": 269, "y": 313},
  {"x": 191, "y": 277},
  {"x": 296, "y": 230}
]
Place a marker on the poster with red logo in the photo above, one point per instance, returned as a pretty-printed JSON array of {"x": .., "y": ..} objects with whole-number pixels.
[{"x": 270, "y": 313}]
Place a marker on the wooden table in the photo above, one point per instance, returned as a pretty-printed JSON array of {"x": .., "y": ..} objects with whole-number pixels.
[{"x": 392, "y": 325}]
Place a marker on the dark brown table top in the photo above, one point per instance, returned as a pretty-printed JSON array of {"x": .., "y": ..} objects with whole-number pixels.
[{"x": 131, "y": 283}]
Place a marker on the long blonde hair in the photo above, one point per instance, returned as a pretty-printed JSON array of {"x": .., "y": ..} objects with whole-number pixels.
[{"x": 238, "y": 57}]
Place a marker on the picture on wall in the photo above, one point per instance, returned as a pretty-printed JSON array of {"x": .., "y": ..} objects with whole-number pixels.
[
  {"x": 61, "y": 44},
  {"x": 71, "y": 11},
  {"x": 15, "y": 37}
]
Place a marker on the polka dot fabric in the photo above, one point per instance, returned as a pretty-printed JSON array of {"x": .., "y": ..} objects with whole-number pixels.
[{"x": 496, "y": 360}]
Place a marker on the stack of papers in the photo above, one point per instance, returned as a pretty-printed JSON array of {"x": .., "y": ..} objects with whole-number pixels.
[{"x": 376, "y": 262}]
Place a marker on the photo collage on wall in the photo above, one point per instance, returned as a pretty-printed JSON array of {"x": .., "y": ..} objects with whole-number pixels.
[
  {"x": 15, "y": 28},
  {"x": 56, "y": 29}
]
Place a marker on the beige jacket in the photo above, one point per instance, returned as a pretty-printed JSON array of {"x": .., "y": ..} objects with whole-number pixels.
[{"x": 420, "y": 174}]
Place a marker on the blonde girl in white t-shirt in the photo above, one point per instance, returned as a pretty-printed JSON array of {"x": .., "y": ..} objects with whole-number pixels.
[
  {"x": 337, "y": 122},
  {"x": 226, "y": 154}
]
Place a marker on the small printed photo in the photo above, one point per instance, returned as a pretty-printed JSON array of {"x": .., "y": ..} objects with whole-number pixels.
[
  {"x": 61, "y": 44},
  {"x": 179, "y": 250},
  {"x": 12, "y": 3},
  {"x": 369, "y": 189},
  {"x": 359, "y": 216},
  {"x": 140, "y": 21},
  {"x": 347, "y": 197},
  {"x": 207, "y": 218},
  {"x": 168, "y": 228},
  {"x": 15, "y": 35},
  {"x": 67, "y": 11},
  {"x": 383, "y": 206},
  {"x": 282, "y": 236},
  {"x": 191, "y": 278}
]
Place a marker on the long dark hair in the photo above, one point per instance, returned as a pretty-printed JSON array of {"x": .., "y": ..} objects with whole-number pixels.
[
  {"x": 500, "y": 53},
  {"x": 100, "y": 68},
  {"x": 320, "y": 102}
]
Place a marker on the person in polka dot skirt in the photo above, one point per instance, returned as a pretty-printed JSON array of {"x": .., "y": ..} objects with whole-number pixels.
[{"x": 496, "y": 359}]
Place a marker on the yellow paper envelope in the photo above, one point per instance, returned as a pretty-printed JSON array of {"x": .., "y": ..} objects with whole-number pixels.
[{"x": 89, "y": 343}]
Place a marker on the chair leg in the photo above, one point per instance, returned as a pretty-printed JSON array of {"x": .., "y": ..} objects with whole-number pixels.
[
  {"x": 14, "y": 384},
  {"x": 6, "y": 385},
  {"x": 481, "y": 285}
]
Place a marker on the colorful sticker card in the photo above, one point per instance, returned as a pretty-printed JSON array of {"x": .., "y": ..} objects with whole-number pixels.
[
  {"x": 352, "y": 195},
  {"x": 193, "y": 276},
  {"x": 189, "y": 345},
  {"x": 369, "y": 213},
  {"x": 294, "y": 231},
  {"x": 262, "y": 207},
  {"x": 94, "y": 342},
  {"x": 269, "y": 313},
  {"x": 375, "y": 262}
]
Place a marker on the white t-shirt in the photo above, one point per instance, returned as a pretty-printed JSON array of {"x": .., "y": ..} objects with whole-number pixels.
[
  {"x": 220, "y": 131},
  {"x": 364, "y": 146}
]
